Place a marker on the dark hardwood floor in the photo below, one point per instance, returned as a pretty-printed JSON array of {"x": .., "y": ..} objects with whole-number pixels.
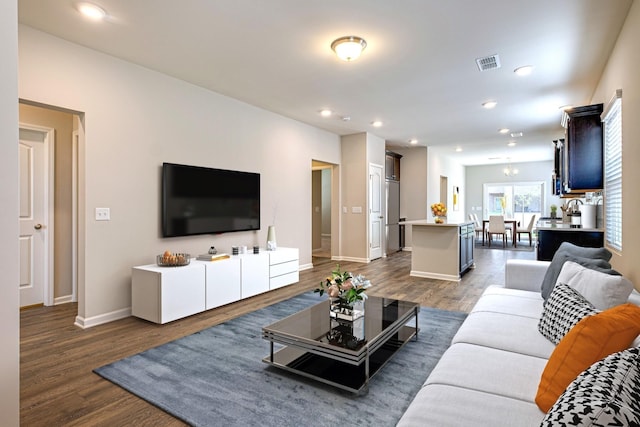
[{"x": 58, "y": 387}]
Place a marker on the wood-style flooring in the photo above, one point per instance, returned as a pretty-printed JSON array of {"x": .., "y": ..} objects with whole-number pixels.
[{"x": 58, "y": 387}]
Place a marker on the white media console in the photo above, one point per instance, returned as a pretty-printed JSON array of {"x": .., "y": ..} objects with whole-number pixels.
[{"x": 163, "y": 294}]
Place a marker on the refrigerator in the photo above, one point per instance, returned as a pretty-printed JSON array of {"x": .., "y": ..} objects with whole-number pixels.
[{"x": 393, "y": 216}]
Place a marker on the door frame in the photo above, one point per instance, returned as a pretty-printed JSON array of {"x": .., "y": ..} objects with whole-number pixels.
[{"x": 49, "y": 199}]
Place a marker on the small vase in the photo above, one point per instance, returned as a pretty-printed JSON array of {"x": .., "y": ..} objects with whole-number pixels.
[
  {"x": 438, "y": 220},
  {"x": 271, "y": 238},
  {"x": 340, "y": 309}
]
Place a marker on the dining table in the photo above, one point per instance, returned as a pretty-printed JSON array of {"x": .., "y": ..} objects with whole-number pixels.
[{"x": 514, "y": 224}]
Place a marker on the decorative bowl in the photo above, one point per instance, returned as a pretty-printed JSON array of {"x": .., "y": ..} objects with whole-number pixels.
[{"x": 173, "y": 259}]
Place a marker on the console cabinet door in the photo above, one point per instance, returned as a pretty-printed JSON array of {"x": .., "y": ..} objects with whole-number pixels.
[
  {"x": 223, "y": 282},
  {"x": 255, "y": 274}
]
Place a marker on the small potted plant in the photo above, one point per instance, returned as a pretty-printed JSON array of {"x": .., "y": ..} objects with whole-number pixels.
[{"x": 554, "y": 211}]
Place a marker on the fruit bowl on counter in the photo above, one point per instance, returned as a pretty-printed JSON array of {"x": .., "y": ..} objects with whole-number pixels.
[{"x": 169, "y": 259}]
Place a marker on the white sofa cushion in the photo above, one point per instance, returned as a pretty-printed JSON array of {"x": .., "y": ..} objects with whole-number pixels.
[
  {"x": 477, "y": 367},
  {"x": 518, "y": 334},
  {"x": 510, "y": 301},
  {"x": 564, "y": 308},
  {"x": 600, "y": 289},
  {"x": 450, "y": 406}
]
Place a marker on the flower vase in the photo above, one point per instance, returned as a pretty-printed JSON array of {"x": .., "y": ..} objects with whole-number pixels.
[
  {"x": 341, "y": 309},
  {"x": 438, "y": 220}
]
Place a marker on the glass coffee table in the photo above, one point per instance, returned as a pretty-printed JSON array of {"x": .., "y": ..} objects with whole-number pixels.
[{"x": 344, "y": 354}]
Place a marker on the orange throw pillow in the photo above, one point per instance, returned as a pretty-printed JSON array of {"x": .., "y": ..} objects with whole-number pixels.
[{"x": 591, "y": 339}]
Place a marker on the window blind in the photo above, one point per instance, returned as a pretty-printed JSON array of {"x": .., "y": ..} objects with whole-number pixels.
[{"x": 612, "y": 121}]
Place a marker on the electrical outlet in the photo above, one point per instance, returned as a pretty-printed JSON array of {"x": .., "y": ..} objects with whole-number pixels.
[{"x": 103, "y": 214}]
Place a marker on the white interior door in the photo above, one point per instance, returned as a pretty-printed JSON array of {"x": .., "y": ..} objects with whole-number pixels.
[
  {"x": 33, "y": 215},
  {"x": 376, "y": 214}
]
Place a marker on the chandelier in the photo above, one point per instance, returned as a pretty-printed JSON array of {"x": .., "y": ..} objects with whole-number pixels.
[{"x": 510, "y": 170}]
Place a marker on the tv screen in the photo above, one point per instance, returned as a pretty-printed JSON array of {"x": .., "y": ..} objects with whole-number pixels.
[{"x": 198, "y": 200}]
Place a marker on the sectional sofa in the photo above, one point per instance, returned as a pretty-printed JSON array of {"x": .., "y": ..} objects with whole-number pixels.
[{"x": 541, "y": 350}]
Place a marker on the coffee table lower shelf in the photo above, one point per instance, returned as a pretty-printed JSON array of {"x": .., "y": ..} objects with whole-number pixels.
[{"x": 333, "y": 371}]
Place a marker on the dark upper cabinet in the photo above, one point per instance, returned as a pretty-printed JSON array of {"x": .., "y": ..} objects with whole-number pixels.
[
  {"x": 392, "y": 166},
  {"x": 581, "y": 160}
]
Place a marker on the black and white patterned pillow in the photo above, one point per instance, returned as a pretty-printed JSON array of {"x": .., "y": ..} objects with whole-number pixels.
[
  {"x": 606, "y": 394},
  {"x": 564, "y": 308}
]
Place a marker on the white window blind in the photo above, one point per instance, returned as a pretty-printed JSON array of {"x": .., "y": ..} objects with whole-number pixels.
[{"x": 612, "y": 121}]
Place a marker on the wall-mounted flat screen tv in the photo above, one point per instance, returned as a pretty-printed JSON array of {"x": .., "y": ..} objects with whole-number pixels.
[{"x": 199, "y": 200}]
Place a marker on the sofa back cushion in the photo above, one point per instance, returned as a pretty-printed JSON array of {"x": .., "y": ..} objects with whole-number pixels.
[
  {"x": 591, "y": 339},
  {"x": 606, "y": 394},
  {"x": 594, "y": 258},
  {"x": 564, "y": 308},
  {"x": 600, "y": 289}
]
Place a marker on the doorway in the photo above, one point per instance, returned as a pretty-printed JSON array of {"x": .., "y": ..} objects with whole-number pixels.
[
  {"x": 321, "y": 221},
  {"x": 60, "y": 223}
]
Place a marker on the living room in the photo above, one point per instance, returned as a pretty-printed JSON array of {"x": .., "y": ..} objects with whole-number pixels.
[{"x": 135, "y": 118}]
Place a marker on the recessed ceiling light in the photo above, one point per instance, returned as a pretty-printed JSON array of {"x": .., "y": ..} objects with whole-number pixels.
[
  {"x": 511, "y": 144},
  {"x": 516, "y": 134},
  {"x": 326, "y": 112},
  {"x": 503, "y": 130},
  {"x": 458, "y": 149},
  {"x": 91, "y": 11},
  {"x": 413, "y": 141},
  {"x": 376, "y": 123},
  {"x": 524, "y": 71},
  {"x": 489, "y": 104}
]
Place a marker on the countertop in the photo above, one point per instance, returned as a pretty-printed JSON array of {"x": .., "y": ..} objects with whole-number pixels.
[
  {"x": 431, "y": 223},
  {"x": 562, "y": 226}
]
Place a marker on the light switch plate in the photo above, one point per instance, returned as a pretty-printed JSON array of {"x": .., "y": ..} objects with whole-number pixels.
[{"x": 103, "y": 214}]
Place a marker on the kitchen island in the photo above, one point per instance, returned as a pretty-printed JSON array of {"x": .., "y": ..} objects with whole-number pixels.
[{"x": 441, "y": 251}]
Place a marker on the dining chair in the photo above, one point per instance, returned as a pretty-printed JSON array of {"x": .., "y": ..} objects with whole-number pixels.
[
  {"x": 496, "y": 226},
  {"x": 527, "y": 230},
  {"x": 477, "y": 224}
]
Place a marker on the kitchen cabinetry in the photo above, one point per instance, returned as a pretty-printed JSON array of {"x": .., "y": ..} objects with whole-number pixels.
[
  {"x": 164, "y": 294},
  {"x": 581, "y": 155},
  {"x": 392, "y": 166},
  {"x": 467, "y": 238},
  {"x": 550, "y": 239}
]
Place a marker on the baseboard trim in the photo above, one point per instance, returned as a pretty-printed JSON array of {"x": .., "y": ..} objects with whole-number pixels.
[
  {"x": 302, "y": 267},
  {"x": 438, "y": 276},
  {"x": 101, "y": 319},
  {"x": 63, "y": 300},
  {"x": 350, "y": 259}
]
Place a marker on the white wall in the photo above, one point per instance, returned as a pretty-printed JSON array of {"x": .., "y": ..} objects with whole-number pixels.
[
  {"x": 621, "y": 72},
  {"x": 9, "y": 259},
  {"x": 439, "y": 165},
  {"x": 135, "y": 119}
]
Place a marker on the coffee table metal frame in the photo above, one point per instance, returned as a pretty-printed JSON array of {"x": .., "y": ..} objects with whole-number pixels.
[{"x": 393, "y": 337}]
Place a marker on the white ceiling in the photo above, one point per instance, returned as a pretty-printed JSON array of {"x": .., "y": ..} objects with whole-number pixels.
[{"x": 418, "y": 73}]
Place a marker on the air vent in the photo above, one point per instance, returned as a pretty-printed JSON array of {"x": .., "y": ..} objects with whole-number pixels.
[{"x": 488, "y": 62}]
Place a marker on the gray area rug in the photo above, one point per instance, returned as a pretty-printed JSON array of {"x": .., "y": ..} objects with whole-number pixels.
[{"x": 216, "y": 377}]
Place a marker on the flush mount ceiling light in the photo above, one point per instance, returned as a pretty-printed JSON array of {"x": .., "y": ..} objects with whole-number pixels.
[
  {"x": 91, "y": 11},
  {"x": 348, "y": 48},
  {"x": 524, "y": 71},
  {"x": 489, "y": 104}
]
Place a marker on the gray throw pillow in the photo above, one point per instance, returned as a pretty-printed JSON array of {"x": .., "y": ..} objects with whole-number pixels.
[{"x": 593, "y": 258}]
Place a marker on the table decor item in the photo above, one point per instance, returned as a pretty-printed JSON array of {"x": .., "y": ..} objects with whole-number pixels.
[
  {"x": 168, "y": 259},
  {"x": 439, "y": 211},
  {"x": 346, "y": 293}
]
